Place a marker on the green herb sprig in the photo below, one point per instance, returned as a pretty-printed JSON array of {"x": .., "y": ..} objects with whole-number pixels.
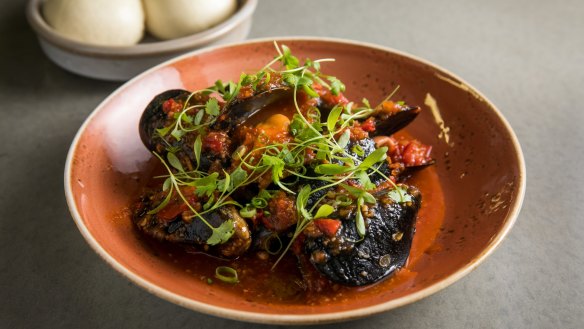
[{"x": 328, "y": 139}]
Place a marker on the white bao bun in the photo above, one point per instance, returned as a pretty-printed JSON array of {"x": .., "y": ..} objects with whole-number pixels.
[
  {"x": 168, "y": 19},
  {"x": 98, "y": 22}
]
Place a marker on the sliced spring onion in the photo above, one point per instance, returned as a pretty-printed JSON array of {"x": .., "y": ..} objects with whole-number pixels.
[
  {"x": 273, "y": 244},
  {"x": 226, "y": 274},
  {"x": 259, "y": 202},
  {"x": 247, "y": 212}
]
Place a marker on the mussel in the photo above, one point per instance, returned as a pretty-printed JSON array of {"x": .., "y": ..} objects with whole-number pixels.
[
  {"x": 350, "y": 259},
  {"x": 193, "y": 231},
  {"x": 388, "y": 124},
  {"x": 347, "y": 257},
  {"x": 238, "y": 111},
  {"x": 219, "y": 133}
]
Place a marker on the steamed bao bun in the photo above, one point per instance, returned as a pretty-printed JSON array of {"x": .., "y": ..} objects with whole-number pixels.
[
  {"x": 168, "y": 19},
  {"x": 97, "y": 22}
]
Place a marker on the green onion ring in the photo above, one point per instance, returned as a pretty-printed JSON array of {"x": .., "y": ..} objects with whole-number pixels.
[{"x": 226, "y": 274}]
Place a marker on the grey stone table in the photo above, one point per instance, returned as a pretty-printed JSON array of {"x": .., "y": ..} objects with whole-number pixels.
[{"x": 526, "y": 56}]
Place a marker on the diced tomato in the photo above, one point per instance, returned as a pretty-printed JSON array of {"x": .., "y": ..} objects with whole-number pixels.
[
  {"x": 282, "y": 213},
  {"x": 216, "y": 142},
  {"x": 245, "y": 92},
  {"x": 416, "y": 153},
  {"x": 368, "y": 125},
  {"x": 172, "y": 210},
  {"x": 177, "y": 206},
  {"x": 328, "y": 97},
  {"x": 171, "y": 106},
  {"x": 328, "y": 226}
]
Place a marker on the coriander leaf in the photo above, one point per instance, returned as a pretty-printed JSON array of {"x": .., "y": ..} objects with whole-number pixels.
[
  {"x": 354, "y": 191},
  {"x": 206, "y": 185},
  {"x": 336, "y": 85},
  {"x": 375, "y": 156},
  {"x": 324, "y": 211},
  {"x": 197, "y": 145},
  {"x": 400, "y": 194},
  {"x": 344, "y": 139},
  {"x": 363, "y": 178},
  {"x": 238, "y": 177},
  {"x": 177, "y": 134},
  {"x": 162, "y": 204},
  {"x": 302, "y": 200},
  {"x": 368, "y": 198},
  {"x": 304, "y": 81},
  {"x": 167, "y": 184},
  {"x": 308, "y": 90},
  {"x": 323, "y": 151},
  {"x": 187, "y": 118},
  {"x": 174, "y": 161},
  {"x": 163, "y": 131},
  {"x": 286, "y": 155},
  {"x": 199, "y": 117},
  {"x": 231, "y": 91},
  {"x": 209, "y": 202},
  {"x": 224, "y": 184},
  {"x": 212, "y": 107},
  {"x": 275, "y": 163},
  {"x": 296, "y": 125},
  {"x": 346, "y": 160},
  {"x": 331, "y": 169},
  {"x": 290, "y": 61},
  {"x": 365, "y": 102},
  {"x": 222, "y": 233},
  {"x": 333, "y": 118},
  {"x": 290, "y": 79},
  {"x": 360, "y": 223},
  {"x": 220, "y": 87}
]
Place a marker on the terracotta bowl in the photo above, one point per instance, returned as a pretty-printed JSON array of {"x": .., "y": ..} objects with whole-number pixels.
[{"x": 479, "y": 166}]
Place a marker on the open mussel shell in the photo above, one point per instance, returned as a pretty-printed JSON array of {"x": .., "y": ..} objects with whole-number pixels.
[
  {"x": 351, "y": 260},
  {"x": 396, "y": 121},
  {"x": 237, "y": 112},
  {"x": 154, "y": 117}
]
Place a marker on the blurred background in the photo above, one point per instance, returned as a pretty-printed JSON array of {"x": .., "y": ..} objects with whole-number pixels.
[{"x": 526, "y": 56}]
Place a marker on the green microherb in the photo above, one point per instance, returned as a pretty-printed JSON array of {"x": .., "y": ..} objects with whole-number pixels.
[
  {"x": 222, "y": 233},
  {"x": 400, "y": 194},
  {"x": 212, "y": 107},
  {"x": 329, "y": 140},
  {"x": 324, "y": 211},
  {"x": 197, "y": 145},
  {"x": 336, "y": 85},
  {"x": 333, "y": 117}
]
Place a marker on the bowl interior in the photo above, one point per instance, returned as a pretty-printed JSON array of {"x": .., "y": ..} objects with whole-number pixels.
[{"x": 479, "y": 166}]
